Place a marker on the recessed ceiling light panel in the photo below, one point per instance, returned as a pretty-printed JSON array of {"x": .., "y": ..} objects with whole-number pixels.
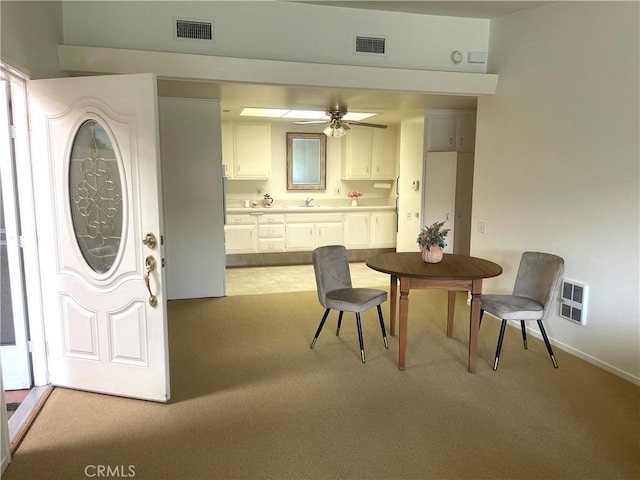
[{"x": 262, "y": 112}]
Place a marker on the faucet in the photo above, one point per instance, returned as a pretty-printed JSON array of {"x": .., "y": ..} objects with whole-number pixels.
[{"x": 308, "y": 201}]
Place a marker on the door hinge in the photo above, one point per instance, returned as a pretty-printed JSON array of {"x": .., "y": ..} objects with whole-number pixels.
[
  {"x": 163, "y": 263},
  {"x": 161, "y": 239},
  {"x": 12, "y": 131},
  {"x": 21, "y": 241},
  {"x": 29, "y": 346}
]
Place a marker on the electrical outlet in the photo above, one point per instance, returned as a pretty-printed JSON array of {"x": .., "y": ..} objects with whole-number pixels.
[
  {"x": 259, "y": 191},
  {"x": 482, "y": 226},
  {"x": 336, "y": 191},
  {"x": 408, "y": 215}
]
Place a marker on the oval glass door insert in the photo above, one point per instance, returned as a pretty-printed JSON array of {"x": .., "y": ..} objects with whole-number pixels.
[{"x": 95, "y": 193}]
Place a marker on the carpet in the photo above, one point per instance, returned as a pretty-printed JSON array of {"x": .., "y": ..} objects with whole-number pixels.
[{"x": 250, "y": 400}]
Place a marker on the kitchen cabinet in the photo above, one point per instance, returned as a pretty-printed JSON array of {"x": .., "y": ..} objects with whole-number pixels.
[
  {"x": 383, "y": 230},
  {"x": 241, "y": 234},
  {"x": 271, "y": 233},
  {"x": 304, "y": 232},
  {"x": 246, "y": 150},
  {"x": 451, "y": 130},
  {"x": 369, "y": 154},
  {"x": 300, "y": 237},
  {"x": 329, "y": 233},
  {"x": 356, "y": 230}
]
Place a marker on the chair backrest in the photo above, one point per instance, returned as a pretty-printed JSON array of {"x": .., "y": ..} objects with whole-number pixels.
[
  {"x": 331, "y": 269},
  {"x": 539, "y": 277}
]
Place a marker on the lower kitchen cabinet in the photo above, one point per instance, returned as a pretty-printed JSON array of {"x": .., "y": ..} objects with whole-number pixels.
[
  {"x": 383, "y": 230},
  {"x": 356, "y": 230},
  {"x": 241, "y": 238}
]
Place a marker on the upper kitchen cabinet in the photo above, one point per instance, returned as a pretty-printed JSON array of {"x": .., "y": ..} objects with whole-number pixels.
[
  {"x": 246, "y": 150},
  {"x": 369, "y": 154},
  {"x": 451, "y": 130}
]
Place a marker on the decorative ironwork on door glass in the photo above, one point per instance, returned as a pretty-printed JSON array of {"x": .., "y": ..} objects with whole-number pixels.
[{"x": 95, "y": 192}]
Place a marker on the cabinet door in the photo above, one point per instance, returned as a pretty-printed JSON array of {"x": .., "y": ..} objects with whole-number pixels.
[
  {"x": 241, "y": 238},
  {"x": 356, "y": 230},
  {"x": 227, "y": 150},
  {"x": 383, "y": 154},
  {"x": 329, "y": 234},
  {"x": 299, "y": 236},
  {"x": 252, "y": 151},
  {"x": 356, "y": 154},
  {"x": 383, "y": 230},
  {"x": 441, "y": 132},
  {"x": 466, "y": 132}
]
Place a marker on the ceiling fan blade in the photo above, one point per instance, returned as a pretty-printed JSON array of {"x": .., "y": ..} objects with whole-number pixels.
[
  {"x": 311, "y": 122},
  {"x": 365, "y": 124}
]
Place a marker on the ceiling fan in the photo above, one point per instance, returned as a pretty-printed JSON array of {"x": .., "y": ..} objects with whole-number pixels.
[{"x": 336, "y": 126}]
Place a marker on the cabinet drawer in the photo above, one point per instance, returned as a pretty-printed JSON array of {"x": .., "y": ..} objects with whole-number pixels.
[
  {"x": 271, "y": 218},
  {"x": 241, "y": 220},
  {"x": 266, "y": 245},
  {"x": 268, "y": 231}
]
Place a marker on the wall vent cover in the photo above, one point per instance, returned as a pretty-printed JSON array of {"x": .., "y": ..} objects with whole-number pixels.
[
  {"x": 187, "y": 29},
  {"x": 371, "y": 45},
  {"x": 574, "y": 301}
]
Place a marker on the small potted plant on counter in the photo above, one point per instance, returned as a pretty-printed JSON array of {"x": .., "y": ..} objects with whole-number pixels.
[
  {"x": 431, "y": 240},
  {"x": 354, "y": 197}
]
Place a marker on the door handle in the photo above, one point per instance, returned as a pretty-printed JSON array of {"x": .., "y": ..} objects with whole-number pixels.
[
  {"x": 150, "y": 265},
  {"x": 150, "y": 241}
]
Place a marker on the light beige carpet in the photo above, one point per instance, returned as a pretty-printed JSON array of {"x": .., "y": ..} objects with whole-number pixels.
[{"x": 252, "y": 401}]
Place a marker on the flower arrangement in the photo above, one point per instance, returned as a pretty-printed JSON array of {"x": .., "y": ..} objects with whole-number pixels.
[
  {"x": 433, "y": 235},
  {"x": 354, "y": 194}
]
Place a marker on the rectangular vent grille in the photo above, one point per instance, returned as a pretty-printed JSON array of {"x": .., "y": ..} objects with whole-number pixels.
[
  {"x": 193, "y": 29},
  {"x": 574, "y": 301},
  {"x": 373, "y": 45}
]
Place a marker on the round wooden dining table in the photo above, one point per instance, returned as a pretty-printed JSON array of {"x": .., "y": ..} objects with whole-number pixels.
[{"x": 455, "y": 273}]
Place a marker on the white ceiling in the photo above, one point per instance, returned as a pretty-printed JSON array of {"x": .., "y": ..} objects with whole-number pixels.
[
  {"x": 472, "y": 9},
  {"x": 390, "y": 106}
]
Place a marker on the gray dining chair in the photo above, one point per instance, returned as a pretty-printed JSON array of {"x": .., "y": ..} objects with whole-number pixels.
[
  {"x": 335, "y": 291},
  {"x": 538, "y": 280}
]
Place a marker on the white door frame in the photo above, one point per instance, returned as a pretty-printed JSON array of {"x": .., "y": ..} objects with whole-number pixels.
[{"x": 25, "y": 199}]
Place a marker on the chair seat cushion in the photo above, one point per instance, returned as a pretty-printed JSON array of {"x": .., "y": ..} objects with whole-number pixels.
[
  {"x": 355, "y": 299},
  {"x": 511, "y": 307}
]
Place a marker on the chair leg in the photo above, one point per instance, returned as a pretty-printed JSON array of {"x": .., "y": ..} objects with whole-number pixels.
[
  {"x": 524, "y": 334},
  {"x": 339, "y": 323},
  {"x": 324, "y": 319},
  {"x": 359, "y": 324},
  {"x": 546, "y": 342},
  {"x": 384, "y": 332},
  {"x": 500, "y": 338}
]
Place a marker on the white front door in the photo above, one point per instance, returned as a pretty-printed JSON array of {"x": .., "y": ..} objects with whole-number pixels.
[{"x": 95, "y": 150}]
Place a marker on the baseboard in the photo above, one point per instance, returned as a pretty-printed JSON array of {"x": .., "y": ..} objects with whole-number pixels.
[
  {"x": 581, "y": 355},
  {"x": 294, "y": 258}
]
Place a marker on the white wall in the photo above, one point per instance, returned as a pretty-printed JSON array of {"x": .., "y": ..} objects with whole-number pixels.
[
  {"x": 276, "y": 186},
  {"x": 30, "y": 33},
  {"x": 279, "y": 31},
  {"x": 557, "y": 164}
]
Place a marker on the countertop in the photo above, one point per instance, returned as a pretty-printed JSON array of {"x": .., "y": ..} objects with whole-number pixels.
[{"x": 311, "y": 209}]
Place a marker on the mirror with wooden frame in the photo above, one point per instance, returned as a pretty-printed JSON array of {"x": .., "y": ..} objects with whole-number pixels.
[{"x": 306, "y": 161}]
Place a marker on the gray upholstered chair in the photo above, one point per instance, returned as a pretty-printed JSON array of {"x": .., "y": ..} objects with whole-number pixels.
[
  {"x": 537, "y": 282},
  {"x": 333, "y": 279}
]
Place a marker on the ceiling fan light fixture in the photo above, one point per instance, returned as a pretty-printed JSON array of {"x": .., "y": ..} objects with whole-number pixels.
[{"x": 336, "y": 129}]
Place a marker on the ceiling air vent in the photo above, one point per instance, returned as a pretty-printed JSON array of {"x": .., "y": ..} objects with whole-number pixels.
[
  {"x": 193, "y": 29},
  {"x": 371, "y": 45}
]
